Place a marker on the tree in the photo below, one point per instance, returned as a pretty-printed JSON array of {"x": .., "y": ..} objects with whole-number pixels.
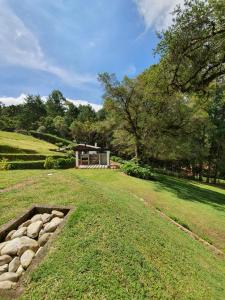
[
  {"x": 60, "y": 126},
  {"x": 86, "y": 113},
  {"x": 55, "y": 104},
  {"x": 192, "y": 50},
  {"x": 71, "y": 112}
]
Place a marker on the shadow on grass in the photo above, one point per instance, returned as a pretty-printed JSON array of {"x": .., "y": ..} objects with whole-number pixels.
[{"x": 186, "y": 190}]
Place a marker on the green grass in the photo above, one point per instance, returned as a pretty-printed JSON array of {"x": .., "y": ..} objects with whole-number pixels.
[
  {"x": 12, "y": 142},
  {"x": 114, "y": 246}
]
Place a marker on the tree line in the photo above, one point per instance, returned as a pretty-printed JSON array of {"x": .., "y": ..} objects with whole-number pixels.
[{"x": 171, "y": 116}]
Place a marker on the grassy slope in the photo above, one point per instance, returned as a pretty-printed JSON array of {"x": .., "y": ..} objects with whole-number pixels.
[
  {"x": 112, "y": 247},
  {"x": 16, "y": 142}
]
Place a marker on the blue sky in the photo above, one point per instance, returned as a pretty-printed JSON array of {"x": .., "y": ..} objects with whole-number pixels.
[{"x": 64, "y": 44}]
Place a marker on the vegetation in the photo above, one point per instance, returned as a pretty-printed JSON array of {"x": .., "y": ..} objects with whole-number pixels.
[
  {"x": 171, "y": 116},
  {"x": 111, "y": 227},
  {"x": 134, "y": 169}
]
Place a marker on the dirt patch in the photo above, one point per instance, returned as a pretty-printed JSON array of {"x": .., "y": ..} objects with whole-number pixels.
[{"x": 17, "y": 186}]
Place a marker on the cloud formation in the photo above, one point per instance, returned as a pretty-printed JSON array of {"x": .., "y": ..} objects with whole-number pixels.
[
  {"x": 20, "y": 99},
  {"x": 156, "y": 13},
  {"x": 20, "y": 47}
]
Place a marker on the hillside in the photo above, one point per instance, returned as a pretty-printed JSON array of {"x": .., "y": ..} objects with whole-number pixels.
[{"x": 115, "y": 245}]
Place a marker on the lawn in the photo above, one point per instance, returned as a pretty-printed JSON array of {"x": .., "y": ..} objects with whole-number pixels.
[
  {"x": 12, "y": 142},
  {"x": 115, "y": 245}
]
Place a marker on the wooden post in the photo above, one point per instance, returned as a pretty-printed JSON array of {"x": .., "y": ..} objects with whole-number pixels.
[
  {"x": 108, "y": 158},
  {"x": 77, "y": 159}
]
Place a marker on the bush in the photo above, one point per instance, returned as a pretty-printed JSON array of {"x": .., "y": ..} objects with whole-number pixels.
[
  {"x": 50, "y": 138},
  {"x": 133, "y": 169},
  {"x": 118, "y": 159},
  {"x": 60, "y": 163},
  {"x": 20, "y": 165},
  {"x": 26, "y": 157},
  {"x": 4, "y": 164}
]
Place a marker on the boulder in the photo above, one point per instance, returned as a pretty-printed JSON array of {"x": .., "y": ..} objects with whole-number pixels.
[
  {"x": 25, "y": 224},
  {"x": 11, "y": 247},
  {"x": 9, "y": 235},
  {"x": 36, "y": 218},
  {"x": 41, "y": 233},
  {"x": 27, "y": 243},
  {"x": 20, "y": 270},
  {"x": 39, "y": 250},
  {"x": 7, "y": 285},
  {"x": 18, "y": 233},
  {"x": 53, "y": 224},
  {"x": 19, "y": 245},
  {"x": 5, "y": 259},
  {"x": 2, "y": 245},
  {"x": 46, "y": 218},
  {"x": 14, "y": 264},
  {"x": 11, "y": 276},
  {"x": 34, "y": 228},
  {"x": 26, "y": 258},
  {"x": 57, "y": 213},
  {"x": 44, "y": 238},
  {"x": 3, "y": 268}
]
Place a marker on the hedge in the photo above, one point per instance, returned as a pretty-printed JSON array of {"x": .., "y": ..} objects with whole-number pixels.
[
  {"x": 133, "y": 169},
  {"x": 50, "y": 138},
  {"x": 20, "y": 165},
  {"x": 60, "y": 163},
  {"x": 26, "y": 157}
]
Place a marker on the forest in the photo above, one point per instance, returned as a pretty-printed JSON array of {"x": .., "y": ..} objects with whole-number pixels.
[{"x": 171, "y": 116}]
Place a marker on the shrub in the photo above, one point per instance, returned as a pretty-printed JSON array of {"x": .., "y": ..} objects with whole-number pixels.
[
  {"x": 49, "y": 163},
  {"x": 133, "y": 169},
  {"x": 26, "y": 157},
  {"x": 60, "y": 163},
  {"x": 20, "y": 165},
  {"x": 117, "y": 159},
  {"x": 4, "y": 164}
]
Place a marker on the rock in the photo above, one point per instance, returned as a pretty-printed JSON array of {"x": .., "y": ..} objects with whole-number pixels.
[
  {"x": 7, "y": 285},
  {"x": 25, "y": 224},
  {"x": 11, "y": 276},
  {"x": 20, "y": 270},
  {"x": 44, "y": 238},
  {"x": 2, "y": 245},
  {"x": 18, "y": 233},
  {"x": 27, "y": 243},
  {"x": 5, "y": 259},
  {"x": 46, "y": 218},
  {"x": 36, "y": 218},
  {"x": 52, "y": 225},
  {"x": 41, "y": 233},
  {"x": 14, "y": 264},
  {"x": 11, "y": 247},
  {"x": 9, "y": 235},
  {"x": 34, "y": 228},
  {"x": 39, "y": 250},
  {"x": 26, "y": 258},
  {"x": 19, "y": 245},
  {"x": 3, "y": 268},
  {"x": 57, "y": 213}
]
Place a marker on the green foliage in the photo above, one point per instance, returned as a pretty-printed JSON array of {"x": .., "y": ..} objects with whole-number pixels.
[
  {"x": 26, "y": 157},
  {"x": 59, "y": 163},
  {"x": 117, "y": 159},
  {"x": 20, "y": 165},
  {"x": 132, "y": 169},
  {"x": 4, "y": 164}
]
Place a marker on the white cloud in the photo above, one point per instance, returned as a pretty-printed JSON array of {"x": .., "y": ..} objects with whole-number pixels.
[
  {"x": 19, "y": 100},
  {"x": 156, "y": 13},
  {"x": 20, "y": 47}
]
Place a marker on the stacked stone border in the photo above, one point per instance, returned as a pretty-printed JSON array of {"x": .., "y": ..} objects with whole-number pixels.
[{"x": 14, "y": 224}]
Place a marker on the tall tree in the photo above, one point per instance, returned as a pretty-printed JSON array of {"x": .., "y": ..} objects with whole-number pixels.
[{"x": 55, "y": 104}]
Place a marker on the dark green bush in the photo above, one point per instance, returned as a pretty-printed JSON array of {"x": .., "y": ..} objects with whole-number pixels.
[
  {"x": 20, "y": 165},
  {"x": 60, "y": 163},
  {"x": 50, "y": 138},
  {"x": 133, "y": 169},
  {"x": 117, "y": 159},
  {"x": 26, "y": 157}
]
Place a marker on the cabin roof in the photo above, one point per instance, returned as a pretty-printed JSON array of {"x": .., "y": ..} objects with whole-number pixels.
[{"x": 85, "y": 147}]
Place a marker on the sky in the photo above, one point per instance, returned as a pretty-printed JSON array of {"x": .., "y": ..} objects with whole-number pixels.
[{"x": 64, "y": 44}]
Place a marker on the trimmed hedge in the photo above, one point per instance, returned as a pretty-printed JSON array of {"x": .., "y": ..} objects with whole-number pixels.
[
  {"x": 26, "y": 157},
  {"x": 118, "y": 159},
  {"x": 135, "y": 170},
  {"x": 20, "y": 165},
  {"x": 60, "y": 163},
  {"x": 50, "y": 138}
]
